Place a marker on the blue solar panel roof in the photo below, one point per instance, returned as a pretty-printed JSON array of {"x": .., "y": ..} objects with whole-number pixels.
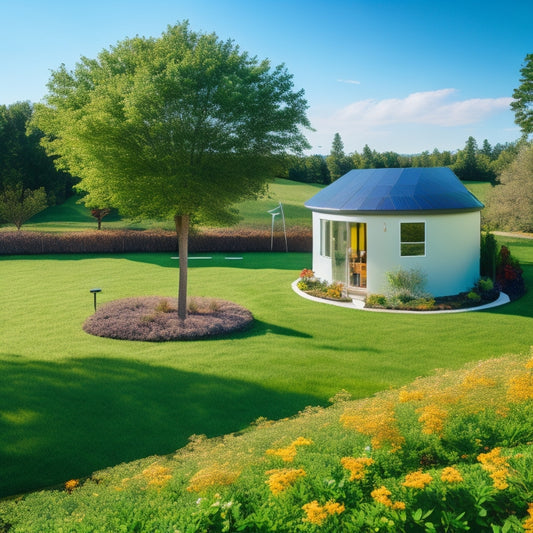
[{"x": 396, "y": 189}]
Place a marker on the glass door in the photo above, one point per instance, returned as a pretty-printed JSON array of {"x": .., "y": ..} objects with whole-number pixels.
[
  {"x": 340, "y": 252},
  {"x": 357, "y": 255}
]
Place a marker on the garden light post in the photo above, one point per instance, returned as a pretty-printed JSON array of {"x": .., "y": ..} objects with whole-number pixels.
[{"x": 95, "y": 291}]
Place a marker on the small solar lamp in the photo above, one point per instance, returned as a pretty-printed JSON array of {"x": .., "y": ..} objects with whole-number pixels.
[{"x": 95, "y": 291}]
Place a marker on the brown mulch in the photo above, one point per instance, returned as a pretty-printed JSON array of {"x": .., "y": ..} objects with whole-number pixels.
[{"x": 155, "y": 318}]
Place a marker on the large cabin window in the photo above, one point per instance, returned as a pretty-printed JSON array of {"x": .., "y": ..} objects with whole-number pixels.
[{"x": 412, "y": 238}]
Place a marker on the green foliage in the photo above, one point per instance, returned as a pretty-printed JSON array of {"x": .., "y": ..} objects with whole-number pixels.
[
  {"x": 488, "y": 251},
  {"x": 510, "y": 202},
  {"x": 18, "y": 205},
  {"x": 522, "y": 103},
  {"x": 405, "y": 285},
  {"x": 22, "y": 158}
]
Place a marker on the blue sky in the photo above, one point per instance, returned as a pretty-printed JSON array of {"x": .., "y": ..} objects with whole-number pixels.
[{"x": 400, "y": 75}]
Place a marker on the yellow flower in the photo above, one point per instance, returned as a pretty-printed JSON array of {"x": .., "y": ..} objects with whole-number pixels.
[
  {"x": 317, "y": 514},
  {"x": 520, "y": 388},
  {"x": 356, "y": 466},
  {"x": 417, "y": 480},
  {"x": 157, "y": 475},
  {"x": 71, "y": 484},
  {"x": 432, "y": 417},
  {"x": 382, "y": 495},
  {"x": 288, "y": 453},
  {"x": 282, "y": 478},
  {"x": 410, "y": 396},
  {"x": 451, "y": 475},
  {"x": 214, "y": 474},
  {"x": 497, "y": 466},
  {"x": 528, "y": 523},
  {"x": 377, "y": 421}
]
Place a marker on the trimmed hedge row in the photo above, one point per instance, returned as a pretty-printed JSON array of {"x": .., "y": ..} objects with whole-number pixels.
[{"x": 124, "y": 241}]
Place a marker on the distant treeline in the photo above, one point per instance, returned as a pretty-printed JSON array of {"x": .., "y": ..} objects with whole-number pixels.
[
  {"x": 24, "y": 161},
  {"x": 22, "y": 158},
  {"x": 473, "y": 163}
]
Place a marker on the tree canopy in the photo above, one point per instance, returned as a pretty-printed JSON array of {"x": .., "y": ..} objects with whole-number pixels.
[
  {"x": 510, "y": 203},
  {"x": 181, "y": 126},
  {"x": 523, "y": 98}
]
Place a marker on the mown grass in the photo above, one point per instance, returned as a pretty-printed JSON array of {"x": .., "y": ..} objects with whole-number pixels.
[{"x": 73, "y": 403}]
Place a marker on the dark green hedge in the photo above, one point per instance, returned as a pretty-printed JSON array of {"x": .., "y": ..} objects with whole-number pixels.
[{"x": 122, "y": 241}]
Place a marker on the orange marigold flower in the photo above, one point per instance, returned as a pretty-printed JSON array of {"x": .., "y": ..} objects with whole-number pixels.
[
  {"x": 356, "y": 466},
  {"x": 451, "y": 475},
  {"x": 417, "y": 480},
  {"x": 282, "y": 478}
]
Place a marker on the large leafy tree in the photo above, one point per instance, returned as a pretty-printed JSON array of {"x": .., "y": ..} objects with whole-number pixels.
[
  {"x": 523, "y": 98},
  {"x": 510, "y": 203},
  {"x": 181, "y": 126}
]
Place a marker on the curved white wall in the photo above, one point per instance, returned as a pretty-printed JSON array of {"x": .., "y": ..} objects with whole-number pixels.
[{"x": 451, "y": 263}]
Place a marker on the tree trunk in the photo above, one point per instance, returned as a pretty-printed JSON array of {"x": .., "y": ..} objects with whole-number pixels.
[{"x": 182, "y": 229}]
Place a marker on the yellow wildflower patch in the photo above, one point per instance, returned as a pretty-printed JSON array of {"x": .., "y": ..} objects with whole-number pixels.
[
  {"x": 317, "y": 514},
  {"x": 356, "y": 466},
  {"x": 215, "y": 474},
  {"x": 377, "y": 421},
  {"x": 497, "y": 466},
  {"x": 288, "y": 453},
  {"x": 405, "y": 396},
  {"x": 520, "y": 388},
  {"x": 382, "y": 495},
  {"x": 451, "y": 475},
  {"x": 157, "y": 475},
  {"x": 432, "y": 418},
  {"x": 282, "y": 478},
  {"x": 417, "y": 480}
]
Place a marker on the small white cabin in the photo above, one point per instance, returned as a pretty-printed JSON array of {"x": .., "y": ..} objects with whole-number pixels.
[{"x": 373, "y": 221}]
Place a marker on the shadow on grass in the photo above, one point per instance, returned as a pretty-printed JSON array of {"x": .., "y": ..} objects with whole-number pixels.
[
  {"x": 60, "y": 421},
  {"x": 244, "y": 260}
]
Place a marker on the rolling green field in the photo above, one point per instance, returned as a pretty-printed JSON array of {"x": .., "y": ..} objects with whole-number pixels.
[
  {"x": 73, "y": 403},
  {"x": 73, "y": 216}
]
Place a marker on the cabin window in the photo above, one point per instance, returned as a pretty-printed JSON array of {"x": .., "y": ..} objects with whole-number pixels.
[
  {"x": 412, "y": 238},
  {"x": 325, "y": 237}
]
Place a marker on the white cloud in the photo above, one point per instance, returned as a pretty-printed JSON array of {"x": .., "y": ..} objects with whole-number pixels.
[
  {"x": 430, "y": 107},
  {"x": 353, "y": 82}
]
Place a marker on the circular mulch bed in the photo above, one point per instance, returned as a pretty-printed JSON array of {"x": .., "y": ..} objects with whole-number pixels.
[{"x": 155, "y": 318}]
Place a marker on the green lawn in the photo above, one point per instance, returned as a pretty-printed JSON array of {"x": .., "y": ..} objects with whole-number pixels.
[{"x": 72, "y": 403}]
